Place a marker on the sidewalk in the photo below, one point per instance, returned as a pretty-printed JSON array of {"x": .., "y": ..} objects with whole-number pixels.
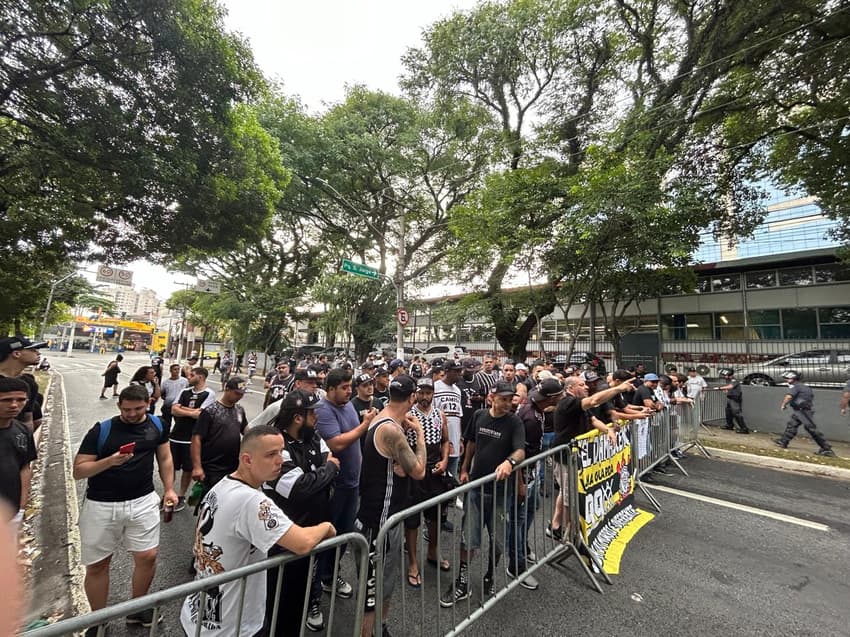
[{"x": 760, "y": 444}]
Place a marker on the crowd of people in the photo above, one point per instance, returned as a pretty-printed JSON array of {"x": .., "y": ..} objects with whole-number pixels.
[{"x": 334, "y": 450}]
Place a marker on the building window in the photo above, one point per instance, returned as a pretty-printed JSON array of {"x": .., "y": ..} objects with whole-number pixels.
[
  {"x": 834, "y": 322},
  {"x": 832, "y": 273},
  {"x": 757, "y": 280},
  {"x": 799, "y": 323},
  {"x": 795, "y": 276},
  {"x": 729, "y": 326},
  {"x": 674, "y": 327},
  {"x": 698, "y": 327},
  {"x": 703, "y": 284},
  {"x": 725, "y": 282},
  {"x": 764, "y": 324}
]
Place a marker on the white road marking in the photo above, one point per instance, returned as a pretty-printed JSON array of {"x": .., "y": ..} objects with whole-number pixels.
[{"x": 781, "y": 517}]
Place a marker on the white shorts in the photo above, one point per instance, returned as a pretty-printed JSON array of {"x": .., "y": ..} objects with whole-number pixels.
[{"x": 105, "y": 526}]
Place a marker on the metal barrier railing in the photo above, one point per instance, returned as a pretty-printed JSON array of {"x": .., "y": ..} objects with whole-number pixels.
[
  {"x": 158, "y": 599},
  {"x": 518, "y": 526},
  {"x": 713, "y": 406},
  {"x": 687, "y": 424}
]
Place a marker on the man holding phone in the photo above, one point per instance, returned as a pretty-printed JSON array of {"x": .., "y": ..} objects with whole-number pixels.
[{"x": 121, "y": 506}]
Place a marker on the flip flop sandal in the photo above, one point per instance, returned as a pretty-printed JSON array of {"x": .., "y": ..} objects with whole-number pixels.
[
  {"x": 414, "y": 581},
  {"x": 443, "y": 564}
]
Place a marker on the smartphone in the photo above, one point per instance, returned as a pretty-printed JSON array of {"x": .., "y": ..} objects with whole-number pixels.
[{"x": 128, "y": 448}]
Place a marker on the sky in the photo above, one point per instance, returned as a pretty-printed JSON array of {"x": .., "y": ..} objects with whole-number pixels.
[{"x": 314, "y": 49}]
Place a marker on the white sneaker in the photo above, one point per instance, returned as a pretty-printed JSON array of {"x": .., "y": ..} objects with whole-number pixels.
[
  {"x": 315, "y": 619},
  {"x": 459, "y": 504},
  {"x": 527, "y": 581},
  {"x": 343, "y": 588}
]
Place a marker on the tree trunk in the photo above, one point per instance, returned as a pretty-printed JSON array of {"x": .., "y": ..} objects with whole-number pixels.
[{"x": 512, "y": 337}]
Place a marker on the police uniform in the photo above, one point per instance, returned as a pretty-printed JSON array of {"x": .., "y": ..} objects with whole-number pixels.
[{"x": 802, "y": 406}]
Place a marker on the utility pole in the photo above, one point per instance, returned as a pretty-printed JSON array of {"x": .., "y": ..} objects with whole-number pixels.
[
  {"x": 399, "y": 289},
  {"x": 50, "y": 302}
]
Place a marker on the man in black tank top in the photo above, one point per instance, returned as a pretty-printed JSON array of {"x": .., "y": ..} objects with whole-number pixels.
[{"x": 388, "y": 460}]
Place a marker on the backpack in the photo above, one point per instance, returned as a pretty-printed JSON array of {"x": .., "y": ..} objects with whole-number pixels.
[{"x": 106, "y": 426}]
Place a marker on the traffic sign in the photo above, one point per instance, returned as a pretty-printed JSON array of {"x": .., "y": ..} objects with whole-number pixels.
[
  {"x": 205, "y": 285},
  {"x": 106, "y": 274},
  {"x": 402, "y": 315},
  {"x": 360, "y": 269}
]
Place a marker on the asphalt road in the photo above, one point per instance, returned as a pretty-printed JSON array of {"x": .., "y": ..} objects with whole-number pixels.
[{"x": 701, "y": 567}]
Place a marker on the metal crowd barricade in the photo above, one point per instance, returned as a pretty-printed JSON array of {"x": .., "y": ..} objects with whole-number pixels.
[
  {"x": 689, "y": 421},
  {"x": 713, "y": 406},
  {"x": 652, "y": 442},
  {"x": 158, "y": 599},
  {"x": 510, "y": 529}
]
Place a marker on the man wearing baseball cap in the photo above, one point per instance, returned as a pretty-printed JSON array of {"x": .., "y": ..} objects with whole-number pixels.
[
  {"x": 397, "y": 368},
  {"x": 16, "y": 354},
  {"x": 305, "y": 379},
  {"x": 363, "y": 400},
  {"x": 448, "y": 399},
  {"x": 303, "y": 493},
  {"x": 217, "y": 435},
  {"x": 382, "y": 383}
]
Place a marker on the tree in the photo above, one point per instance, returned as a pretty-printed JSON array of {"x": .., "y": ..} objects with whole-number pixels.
[
  {"x": 617, "y": 89},
  {"x": 122, "y": 133}
]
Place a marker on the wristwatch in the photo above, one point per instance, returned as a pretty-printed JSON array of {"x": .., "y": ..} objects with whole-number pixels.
[{"x": 512, "y": 461}]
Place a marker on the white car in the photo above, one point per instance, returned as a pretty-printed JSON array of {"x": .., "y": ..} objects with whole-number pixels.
[{"x": 444, "y": 351}]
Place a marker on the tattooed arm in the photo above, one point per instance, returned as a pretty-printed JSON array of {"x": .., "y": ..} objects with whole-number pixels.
[{"x": 394, "y": 442}]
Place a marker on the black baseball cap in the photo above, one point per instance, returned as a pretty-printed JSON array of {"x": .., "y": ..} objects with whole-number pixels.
[
  {"x": 503, "y": 388},
  {"x": 547, "y": 389},
  {"x": 16, "y": 343},
  {"x": 306, "y": 374},
  {"x": 470, "y": 363},
  {"x": 237, "y": 383},
  {"x": 382, "y": 371},
  {"x": 396, "y": 363},
  {"x": 451, "y": 364},
  {"x": 368, "y": 365},
  {"x": 299, "y": 399},
  {"x": 362, "y": 379},
  {"x": 402, "y": 386},
  {"x": 425, "y": 383}
]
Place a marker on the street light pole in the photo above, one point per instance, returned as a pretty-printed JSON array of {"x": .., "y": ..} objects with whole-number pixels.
[
  {"x": 50, "y": 302},
  {"x": 399, "y": 288}
]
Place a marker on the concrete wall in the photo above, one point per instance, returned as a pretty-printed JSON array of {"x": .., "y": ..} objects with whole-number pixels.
[{"x": 761, "y": 411}]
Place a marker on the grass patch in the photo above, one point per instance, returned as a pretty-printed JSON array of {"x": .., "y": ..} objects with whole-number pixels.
[{"x": 787, "y": 454}]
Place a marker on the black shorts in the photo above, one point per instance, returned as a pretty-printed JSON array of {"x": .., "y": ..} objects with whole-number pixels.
[
  {"x": 420, "y": 491},
  {"x": 181, "y": 456}
]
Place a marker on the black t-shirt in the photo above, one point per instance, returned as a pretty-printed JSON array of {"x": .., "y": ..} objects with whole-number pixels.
[
  {"x": 382, "y": 397},
  {"x": 17, "y": 450},
  {"x": 362, "y": 407},
  {"x": 735, "y": 391},
  {"x": 495, "y": 439},
  {"x": 220, "y": 429},
  {"x": 533, "y": 419},
  {"x": 569, "y": 420},
  {"x": 468, "y": 389},
  {"x": 641, "y": 394},
  {"x": 183, "y": 425},
  {"x": 134, "y": 478}
]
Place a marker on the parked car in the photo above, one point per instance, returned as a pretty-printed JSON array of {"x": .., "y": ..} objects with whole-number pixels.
[
  {"x": 310, "y": 349},
  {"x": 582, "y": 360},
  {"x": 336, "y": 352},
  {"x": 444, "y": 351},
  {"x": 814, "y": 366}
]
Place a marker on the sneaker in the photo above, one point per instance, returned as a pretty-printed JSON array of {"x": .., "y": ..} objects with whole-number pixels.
[
  {"x": 447, "y": 526},
  {"x": 104, "y": 398},
  {"x": 555, "y": 534},
  {"x": 385, "y": 632},
  {"x": 459, "y": 503},
  {"x": 527, "y": 581},
  {"x": 92, "y": 632},
  {"x": 728, "y": 427},
  {"x": 144, "y": 618},
  {"x": 828, "y": 453},
  {"x": 315, "y": 619},
  {"x": 425, "y": 535},
  {"x": 660, "y": 469},
  {"x": 489, "y": 586},
  {"x": 181, "y": 504},
  {"x": 780, "y": 443},
  {"x": 458, "y": 592},
  {"x": 343, "y": 588},
  {"x": 743, "y": 431},
  {"x": 531, "y": 557}
]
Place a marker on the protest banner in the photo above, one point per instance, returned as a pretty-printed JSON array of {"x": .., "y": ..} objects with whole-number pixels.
[{"x": 608, "y": 517}]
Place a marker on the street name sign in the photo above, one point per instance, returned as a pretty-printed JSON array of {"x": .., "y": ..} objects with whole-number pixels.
[{"x": 359, "y": 269}]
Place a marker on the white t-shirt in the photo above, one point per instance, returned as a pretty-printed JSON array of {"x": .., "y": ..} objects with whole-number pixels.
[
  {"x": 695, "y": 385},
  {"x": 447, "y": 398},
  {"x": 237, "y": 525}
]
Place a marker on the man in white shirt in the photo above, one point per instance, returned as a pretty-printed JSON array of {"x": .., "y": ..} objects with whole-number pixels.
[
  {"x": 237, "y": 525},
  {"x": 695, "y": 384}
]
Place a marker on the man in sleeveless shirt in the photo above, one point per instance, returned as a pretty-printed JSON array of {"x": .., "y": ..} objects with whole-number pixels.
[{"x": 388, "y": 461}]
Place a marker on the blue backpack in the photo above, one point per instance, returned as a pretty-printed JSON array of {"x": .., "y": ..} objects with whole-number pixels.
[{"x": 106, "y": 426}]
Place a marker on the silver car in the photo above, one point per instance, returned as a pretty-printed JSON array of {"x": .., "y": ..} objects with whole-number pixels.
[{"x": 814, "y": 366}]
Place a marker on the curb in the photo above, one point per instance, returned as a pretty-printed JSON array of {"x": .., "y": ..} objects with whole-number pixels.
[
  {"x": 57, "y": 587},
  {"x": 780, "y": 463}
]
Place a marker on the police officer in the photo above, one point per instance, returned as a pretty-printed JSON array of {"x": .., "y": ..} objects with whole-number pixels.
[
  {"x": 801, "y": 398},
  {"x": 734, "y": 400}
]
